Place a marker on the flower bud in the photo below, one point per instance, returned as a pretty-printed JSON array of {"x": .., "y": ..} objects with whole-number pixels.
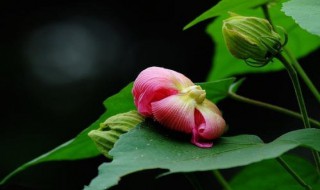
[
  {"x": 110, "y": 130},
  {"x": 251, "y": 39}
]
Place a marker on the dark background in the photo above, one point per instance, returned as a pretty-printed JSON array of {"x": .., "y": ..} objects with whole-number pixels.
[{"x": 61, "y": 59}]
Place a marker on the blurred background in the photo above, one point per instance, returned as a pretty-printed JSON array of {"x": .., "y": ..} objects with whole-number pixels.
[{"x": 61, "y": 59}]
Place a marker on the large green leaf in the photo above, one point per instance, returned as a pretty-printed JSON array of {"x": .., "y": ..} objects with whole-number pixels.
[
  {"x": 150, "y": 147},
  {"x": 225, "y": 65},
  {"x": 83, "y": 147},
  {"x": 305, "y": 13},
  {"x": 269, "y": 174},
  {"x": 225, "y": 6}
]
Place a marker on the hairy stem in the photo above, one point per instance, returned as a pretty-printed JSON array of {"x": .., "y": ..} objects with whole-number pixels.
[
  {"x": 221, "y": 180},
  {"x": 285, "y": 165},
  {"x": 279, "y": 109}
]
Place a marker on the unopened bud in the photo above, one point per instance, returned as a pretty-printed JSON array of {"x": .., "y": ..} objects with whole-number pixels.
[
  {"x": 251, "y": 39},
  {"x": 110, "y": 130}
]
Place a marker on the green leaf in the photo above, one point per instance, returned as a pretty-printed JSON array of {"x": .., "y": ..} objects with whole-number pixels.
[
  {"x": 305, "y": 13},
  {"x": 300, "y": 43},
  {"x": 217, "y": 90},
  {"x": 150, "y": 146},
  {"x": 82, "y": 146},
  {"x": 275, "y": 176},
  {"x": 223, "y": 7}
]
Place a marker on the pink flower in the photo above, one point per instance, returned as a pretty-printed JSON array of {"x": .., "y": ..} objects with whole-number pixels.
[{"x": 177, "y": 103}]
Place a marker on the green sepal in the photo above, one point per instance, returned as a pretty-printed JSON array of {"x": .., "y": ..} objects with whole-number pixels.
[
  {"x": 112, "y": 128},
  {"x": 252, "y": 39}
]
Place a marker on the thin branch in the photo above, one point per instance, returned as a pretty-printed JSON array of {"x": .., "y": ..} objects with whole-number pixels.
[
  {"x": 286, "y": 166},
  {"x": 279, "y": 109},
  {"x": 222, "y": 180}
]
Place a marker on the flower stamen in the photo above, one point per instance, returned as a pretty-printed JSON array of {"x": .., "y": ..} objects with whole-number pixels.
[{"x": 196, "y": 93}]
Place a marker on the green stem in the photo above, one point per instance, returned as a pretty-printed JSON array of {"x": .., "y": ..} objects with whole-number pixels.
[
  {"x": 293, "y": 60},
  {"x": 266, "y": 13},
  {"x": 192, "y": 178},
  {"x": 293, "y": 69},
  {"x": 193, "y": 181},
  {"x": 295, "y": 80},
  {"x": 285, "y": 165},
  {"x": 279, "y": 109},
  {"x": 222, "y": 180},
  {"x": 302, "y": 74}
]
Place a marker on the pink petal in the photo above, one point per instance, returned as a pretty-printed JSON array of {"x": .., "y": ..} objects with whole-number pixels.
[
  {"x": 156, "y": 83},
  {"x": 145, "y": 99},
  {"x": 175, "y": 112},
  {"x": 209, "y": 124},
  {"x": 196, "y": 140}
]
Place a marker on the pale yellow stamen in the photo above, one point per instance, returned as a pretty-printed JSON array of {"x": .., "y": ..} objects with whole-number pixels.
[{"x": 196, "y": 93}]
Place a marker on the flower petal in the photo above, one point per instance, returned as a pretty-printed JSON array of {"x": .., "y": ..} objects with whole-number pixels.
[
  {"x": 156, "y": 83},
  {"x": 154, "y": 93},
  {"x": 175, "y": 112},
  {"x": 209, "y": 124}
]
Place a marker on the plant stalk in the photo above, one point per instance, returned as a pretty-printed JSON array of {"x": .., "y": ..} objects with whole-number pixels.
[
  {"x": 192, "y": 178},
  {"x": 302, "y": 74},
  {"x": 266, "y": 13},
  {"x": 295, "y": 81},
  {"x": 285, "y": 165},
  {"x": 279, "y": 109},
  {"x": 222, "y": 180},
  {"x": 293, "y": 60},
  {"x": 293, "y": 75},
  {"x": 193, "y": 181}
]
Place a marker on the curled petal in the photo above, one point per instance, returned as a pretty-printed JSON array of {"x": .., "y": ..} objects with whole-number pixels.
[
  {"x": 156, "y": 83},
  {"x": 175, "y": 112},
  {"x": 209, "y": 124},
  {"x": 143, "y": 100}
]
